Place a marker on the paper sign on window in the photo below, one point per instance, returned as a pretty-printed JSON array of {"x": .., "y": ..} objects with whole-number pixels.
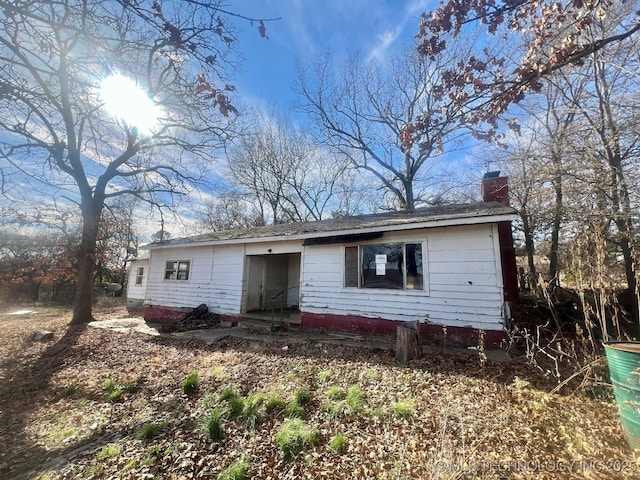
[
  {"x": 381, "y": 268},
  {"x": 381, "y": 258}
]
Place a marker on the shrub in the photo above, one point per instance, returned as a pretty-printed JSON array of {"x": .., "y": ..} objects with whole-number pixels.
[
  {"x": 338, "y": 443},
  {"x": 238, "y": 470},
  {"x": 191, "y": 383},
  {"x": 295, "y": 435}
]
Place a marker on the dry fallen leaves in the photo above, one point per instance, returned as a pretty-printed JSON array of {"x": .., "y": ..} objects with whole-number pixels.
[{"x": 458, "y": 420}]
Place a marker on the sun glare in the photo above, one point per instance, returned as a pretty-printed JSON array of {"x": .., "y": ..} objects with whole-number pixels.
[{"x": 129, "y": 103}]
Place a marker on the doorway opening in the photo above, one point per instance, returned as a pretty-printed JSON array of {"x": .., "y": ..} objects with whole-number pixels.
[{"x": 273, "y": 286}]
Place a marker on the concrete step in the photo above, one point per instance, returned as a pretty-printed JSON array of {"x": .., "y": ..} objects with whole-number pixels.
[{"x": 266, "y": 326}]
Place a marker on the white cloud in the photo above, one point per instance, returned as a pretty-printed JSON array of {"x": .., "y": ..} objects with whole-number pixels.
[{"x": 385, "y": 41}]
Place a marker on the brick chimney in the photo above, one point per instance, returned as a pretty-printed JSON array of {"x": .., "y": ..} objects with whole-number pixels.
[{"x": 495, "y": 188}]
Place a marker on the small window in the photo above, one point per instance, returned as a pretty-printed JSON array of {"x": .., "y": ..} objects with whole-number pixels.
[
  {"x": 177, "y": 270},
  {"x": 139, "y": 275}
]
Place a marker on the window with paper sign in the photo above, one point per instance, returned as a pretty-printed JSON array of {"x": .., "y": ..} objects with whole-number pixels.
[{"x": 396, "y": 266}]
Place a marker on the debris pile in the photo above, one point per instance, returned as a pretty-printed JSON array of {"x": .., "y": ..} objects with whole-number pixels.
[{"x": 199, "y": 317}]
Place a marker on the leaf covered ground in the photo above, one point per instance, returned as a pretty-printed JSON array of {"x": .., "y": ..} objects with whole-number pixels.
[{"x": 100, "y": 404}]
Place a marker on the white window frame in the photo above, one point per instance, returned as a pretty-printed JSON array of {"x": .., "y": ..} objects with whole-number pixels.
[
  {"x": 177, "y": 270},
  {"x": 404, "y": 242},
  {"x": 139, "y": 276}
]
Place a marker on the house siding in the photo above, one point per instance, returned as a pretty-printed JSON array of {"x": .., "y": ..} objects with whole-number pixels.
[
  {"x": 180, "y": 293},
  {"x": 227, "y": 279},
  {"x": 463, "y": 286},
  {"x": 136, "y": 293}
]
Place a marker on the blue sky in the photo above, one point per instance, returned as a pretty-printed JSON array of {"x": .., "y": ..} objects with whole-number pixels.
[{"x": 309, "y": 28}]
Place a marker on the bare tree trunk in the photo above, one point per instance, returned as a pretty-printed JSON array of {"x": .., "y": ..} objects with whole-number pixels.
[
  {"x": 530, "y": 249},
  {"x": 83, "y": 304},
  {"x": 557, "y": 223}
]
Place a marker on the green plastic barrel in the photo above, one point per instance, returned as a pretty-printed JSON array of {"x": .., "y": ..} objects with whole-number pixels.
[{"x": 624, "y": 369}]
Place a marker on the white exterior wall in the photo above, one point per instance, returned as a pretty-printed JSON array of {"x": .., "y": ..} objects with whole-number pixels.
[
  {"x": 227, "y": 279},
  {"x": 216, "y": 276},
  {"x": 462, "y": 279},
  {"x": 137, "y": 292},
  {"x": 180, "y": 293},
  {"x": 462, "y": 276}
]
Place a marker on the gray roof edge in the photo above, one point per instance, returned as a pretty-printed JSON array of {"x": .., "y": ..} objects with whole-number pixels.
[{"x": 449, "y": 215}]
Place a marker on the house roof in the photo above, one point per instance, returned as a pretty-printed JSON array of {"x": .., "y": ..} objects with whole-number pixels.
[{"x": 440, "y": 216}]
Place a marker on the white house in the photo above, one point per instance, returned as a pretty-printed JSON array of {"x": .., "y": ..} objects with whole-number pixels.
[
  {"x": 448, "y": 266},
  {"x": 137, "y": 282}
]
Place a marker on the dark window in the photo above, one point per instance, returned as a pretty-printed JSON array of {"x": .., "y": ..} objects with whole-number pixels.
[
  {"x": 415, "y": 275},
  {"x": 382, "y": 266},
  {"x": 177, "y": 270},
  {"x": 139, "y": 275},
  {"x": 351, "y": 267},
  {"x": 386, "y": 265}
]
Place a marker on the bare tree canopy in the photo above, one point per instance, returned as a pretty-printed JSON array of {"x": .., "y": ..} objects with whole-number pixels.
[
  {"x": 278, "y": 167},
  {"x": 551, "y": 35},
  {"x": 367, "y": 110},
  {"x": 65, "y": 68}
]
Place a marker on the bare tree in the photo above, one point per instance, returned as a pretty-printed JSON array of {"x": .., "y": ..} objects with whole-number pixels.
[
  {"x": 228, "y": 211},
  {"x": 552, "y": 36},
  {"x": 287, "y": 175},
  {"x": 368, "y": 112},
  {"x": 55, "y": 130},
  {"x": 609, "y": 140}
]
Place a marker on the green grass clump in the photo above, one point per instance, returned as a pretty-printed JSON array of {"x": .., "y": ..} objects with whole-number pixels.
[
  {"x": 108, "y": 451},
  {"x": 355, "y": 399},
  {"x": 302, "y": 396},
  {"x": 275, "y": 403},
  {"x": 148, "y": 431},
  {"x": 294, "y": 410},
  {"x": 236, "y": 406},
  {"x": 252, "y": 412},
  {"x": 238, "y": 470},
  {"x": 336, "y": 393},
  {"x": 403, "y": 409},
  {"x": 214, "y": 424},
  {"x": 296, "y": 435},
  {"x": 112, "y": 389},
  {"x": 338, "y": 443},
  {"x": 226, "y": 393},
  {"x": 191, "y": 383},
  {"x": 324, "y": 375},
  {"x": 69, "y": 391},
  {"x": 115, "y": 390}
]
